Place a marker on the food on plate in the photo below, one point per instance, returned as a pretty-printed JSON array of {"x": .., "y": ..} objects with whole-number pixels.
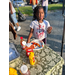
[
  {"x": 34, "y": 43},
  {"x": 32, "y": 46}
]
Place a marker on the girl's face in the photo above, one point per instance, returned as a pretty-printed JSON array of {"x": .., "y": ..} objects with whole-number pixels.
[{"x": 40, "y": 14}]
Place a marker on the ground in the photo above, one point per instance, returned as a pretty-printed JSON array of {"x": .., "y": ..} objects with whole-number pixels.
[{"x": 53, "y": 40}]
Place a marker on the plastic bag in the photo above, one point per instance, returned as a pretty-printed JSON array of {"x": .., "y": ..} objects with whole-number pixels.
[{"x": 12, "y": 52}]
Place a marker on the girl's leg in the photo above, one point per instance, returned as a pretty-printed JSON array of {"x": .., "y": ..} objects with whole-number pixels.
[
  {"x": 13, "y": 16},
  {"x": 17, "y": 24},
  {"x": 11, "y": 19},
  {"x": 46, "y": 9},
  {"x": 12, "y": 30},
  {"x": 33, "y": 6}
]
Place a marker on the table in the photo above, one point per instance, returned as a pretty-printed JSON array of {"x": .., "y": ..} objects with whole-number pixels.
[{"x": 48, "y": 62}]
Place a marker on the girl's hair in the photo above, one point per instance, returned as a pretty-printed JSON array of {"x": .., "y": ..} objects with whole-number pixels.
[{"x": 36, "y": 10}]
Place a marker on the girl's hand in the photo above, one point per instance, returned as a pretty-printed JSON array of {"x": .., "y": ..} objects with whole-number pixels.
[
  {"x": 30, "y": 35},
  {"x": 28, "y": 41},
  {"x": 11, "y": 12},
  {"x": 49, "y": 29},
  {"x": 10, "y": 5}
]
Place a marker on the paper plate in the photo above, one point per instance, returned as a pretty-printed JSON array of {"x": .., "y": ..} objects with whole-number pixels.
[{"x": 41, "y": 43}]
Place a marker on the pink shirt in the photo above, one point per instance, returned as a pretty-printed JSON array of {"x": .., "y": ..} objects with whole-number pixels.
[{"x": 45, "y": 3}]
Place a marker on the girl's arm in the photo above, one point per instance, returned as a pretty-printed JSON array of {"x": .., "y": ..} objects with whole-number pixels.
[
  {"x": 10, "y": 5},
  {"x": 49, "y": 29},
  {"x": 30, "y": 35}
]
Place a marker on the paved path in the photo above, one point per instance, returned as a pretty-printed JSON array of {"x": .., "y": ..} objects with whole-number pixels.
[{"x": 53, "y": 40}]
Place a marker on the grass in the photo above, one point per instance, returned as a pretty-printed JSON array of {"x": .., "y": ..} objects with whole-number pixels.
[
  {"x": 54, "y": 7},
  {"x": 28, "y": 9},
  {"x": 25, "y": 10}
]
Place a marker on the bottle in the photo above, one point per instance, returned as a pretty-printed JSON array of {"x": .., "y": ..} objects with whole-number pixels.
[
  {"x": 31, "y": 58},
  {"x": 23, "y": 45},
  {"x": 12, "y": 71},
  {"x": 28, "y": 50},
  {"x": 24, "y": 70},
  {"x": 22, "y": 42}
]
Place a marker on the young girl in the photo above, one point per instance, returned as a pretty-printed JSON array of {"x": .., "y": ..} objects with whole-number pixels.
[{"x": 39, "y": 26}]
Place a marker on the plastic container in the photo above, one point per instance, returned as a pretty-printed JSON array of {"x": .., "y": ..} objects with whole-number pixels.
[
  {"x": 23, "y": 45},
  {"x": 12, "y": 71},
  {"x": 12, "y": 63},
  {"x": 31, "y": 58},
  {"x": 13, "y": 54},
  {"x": 24, "y": 70},
  {"x": 28, "y": 50},
  {"x": 22, "y": 42}
]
